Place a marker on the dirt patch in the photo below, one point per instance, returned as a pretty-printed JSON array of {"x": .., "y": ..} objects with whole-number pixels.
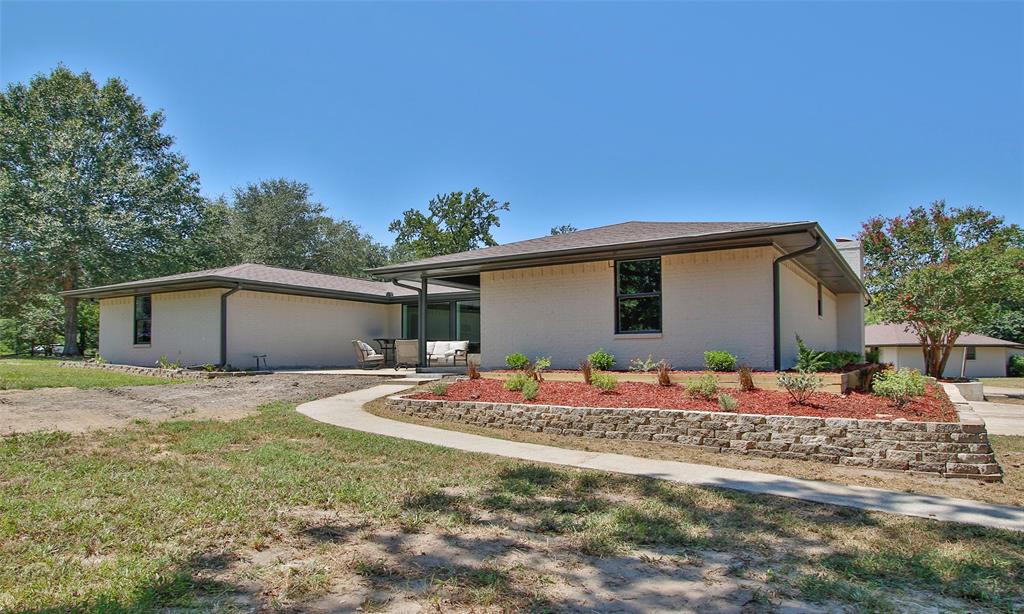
[
  {"x": 77, "y": 410},
  {"x": 933, "y": 406}
]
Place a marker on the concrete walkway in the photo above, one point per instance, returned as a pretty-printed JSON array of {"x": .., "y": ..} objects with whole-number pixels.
[{"x": 346, "y": 410}]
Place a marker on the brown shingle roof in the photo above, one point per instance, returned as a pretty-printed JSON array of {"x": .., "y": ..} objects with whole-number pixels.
[
  {"x": 271, "y": 276},
  {"x": 593, "y": 238},
  {"x": 896, "y": 334}
]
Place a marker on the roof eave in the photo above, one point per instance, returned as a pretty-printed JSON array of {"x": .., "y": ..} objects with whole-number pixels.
[
  {"x": 476, "y": 265},
  {"x": 216, "y": 281}
]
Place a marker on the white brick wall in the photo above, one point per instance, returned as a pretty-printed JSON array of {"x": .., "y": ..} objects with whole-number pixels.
[
  {"x": 710, "y": 300},
  {"x": 186, "y": 329},
  {"x": 302, "y": 331},
  {"x": 799, "y": 313}
]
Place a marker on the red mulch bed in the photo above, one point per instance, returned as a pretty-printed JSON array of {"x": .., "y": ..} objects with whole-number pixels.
[{"x": 934, "y": 406}]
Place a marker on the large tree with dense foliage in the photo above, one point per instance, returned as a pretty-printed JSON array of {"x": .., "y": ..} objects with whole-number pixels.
[
  {"x": 276, "y": 222},
  {"x": 90, "y": 192},
  {"x": 454, "y": 222},
  {"x": 942, "y": 271}
]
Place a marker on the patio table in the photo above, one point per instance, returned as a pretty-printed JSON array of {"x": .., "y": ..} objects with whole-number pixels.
[{"x": 387, "y": 348}]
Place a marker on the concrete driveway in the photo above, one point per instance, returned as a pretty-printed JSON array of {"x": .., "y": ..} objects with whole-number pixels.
[{"x": 1001, "y": 418}]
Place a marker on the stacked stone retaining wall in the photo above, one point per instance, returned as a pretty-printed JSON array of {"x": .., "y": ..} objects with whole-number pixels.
[
  {"x": 950, "y": 449},
  {"x": 150, "y": 371}
]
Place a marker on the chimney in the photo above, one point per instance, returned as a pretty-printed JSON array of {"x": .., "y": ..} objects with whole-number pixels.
[{"x": 852, "y": 253}]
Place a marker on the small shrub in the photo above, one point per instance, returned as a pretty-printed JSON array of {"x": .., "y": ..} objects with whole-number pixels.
[
  {"x": 165, "y": 363},
  {"x": 718, "y": 360},
  {"x": 704, "y": 387},
  {"x": 605, "y": 381},
  {"x": 664, "y": 378},
  {"x": 100, "y": 360},
  {"x": 517, "y": 361},
  {"x": 643, "y": 365},
  {"x": 472, "y": 371},
  {"x": 531, "y": 388},
  {"x": 898, "y": 385},
  {"x": 439, "y": 388},
  {"x": 800, "y": 386},
  {"x": 601, "y": 360},
  {"x": 873, "y": 356},
  {"x": 836, "y": 361},
  {"x": 587, "y": 372},
  {"x": 536, "y": 370},
  {"x": 726, "y": 402},
  {"x": 209, "y": 367},
  {"x": 1015, "y": 366},
  {"x": 516, "y": 381},
  {"x": 746, "y": 379},
  {"x": 808, "y": 360}
]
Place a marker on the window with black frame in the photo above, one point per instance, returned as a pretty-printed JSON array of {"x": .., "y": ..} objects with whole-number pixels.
[
  {"x": 638, "y": 296},
  {"x": 143, "y": 319}
]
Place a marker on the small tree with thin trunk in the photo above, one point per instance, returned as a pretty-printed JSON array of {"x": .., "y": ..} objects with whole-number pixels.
[{"x": 942, "y": 272}]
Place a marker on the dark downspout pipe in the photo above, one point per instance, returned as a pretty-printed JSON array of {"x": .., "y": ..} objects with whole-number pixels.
[
  {"x": 777, "y": 306},
  {"x": 224, "y": 324},
  {"x": 421, "y": 325}
]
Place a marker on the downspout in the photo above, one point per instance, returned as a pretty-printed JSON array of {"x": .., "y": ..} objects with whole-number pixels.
[
  {"x": 421, "y": 325},
  {"x": 224, "y": 324},
  {"x": 777, "y": 300}
]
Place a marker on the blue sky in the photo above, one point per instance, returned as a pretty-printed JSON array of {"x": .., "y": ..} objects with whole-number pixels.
[{"x": 581, "y": 113}]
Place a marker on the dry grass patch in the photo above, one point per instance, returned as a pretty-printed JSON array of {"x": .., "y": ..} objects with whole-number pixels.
[{"x": 276, "y": 511}]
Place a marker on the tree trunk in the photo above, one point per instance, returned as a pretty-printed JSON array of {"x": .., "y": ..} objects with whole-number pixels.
[{"x": 70, "y": 317}]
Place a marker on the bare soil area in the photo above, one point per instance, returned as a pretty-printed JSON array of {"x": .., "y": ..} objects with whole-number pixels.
[{"x": 76, "y": 410}]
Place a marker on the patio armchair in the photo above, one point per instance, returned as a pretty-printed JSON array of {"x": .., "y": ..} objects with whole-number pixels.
[
  {"x": 406, "y": 353},
  {"x": 366, "y": 356}
]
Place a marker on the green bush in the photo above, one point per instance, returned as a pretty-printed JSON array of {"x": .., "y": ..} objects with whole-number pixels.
[
  {"x": 530, "y": 390},
  {"x": 898, "y": 385},
  {"x": 643, "y": 365},
  {"x": 439, "y": 388},
  {"x": 517, "y": 361},
  {"x": 719, "y": 360},
  {"x": 604, "y": 381},
  {"x": 539, "y": 365},
  {"x": 835, "y": 361},
  {"x": 726, "y": 402},
  {"x": 873, "y": 356},
  {"x": 516, "y": 381},
  {"x": 1015, "y": 367},
  {"x": 704, "y": 387},
  {"x": 808, "y": 360},
  {"x": 800, "y": 385},
  {"x": 601, "y": 360},
  {"x": 165, "y": 363}
]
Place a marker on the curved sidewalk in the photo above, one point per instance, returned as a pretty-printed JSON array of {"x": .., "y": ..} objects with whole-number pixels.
[{"x": 346, "y": 410}]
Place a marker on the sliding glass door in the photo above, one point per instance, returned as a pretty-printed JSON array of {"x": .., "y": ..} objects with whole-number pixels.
[{"x": 446, "y": 321}]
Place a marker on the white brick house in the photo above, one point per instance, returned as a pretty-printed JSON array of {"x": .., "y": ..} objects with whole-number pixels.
[{"x": 667, "y": 289}]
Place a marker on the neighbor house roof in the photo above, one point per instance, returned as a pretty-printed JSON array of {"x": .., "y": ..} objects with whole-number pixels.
[
  {"x": 633, "y": 239},
  {"x": 267, "y": 278},
  {"x": 897, "y": 334}
]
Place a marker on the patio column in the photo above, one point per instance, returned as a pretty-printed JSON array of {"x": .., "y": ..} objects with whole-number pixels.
[{"x": 421, "y": 323}]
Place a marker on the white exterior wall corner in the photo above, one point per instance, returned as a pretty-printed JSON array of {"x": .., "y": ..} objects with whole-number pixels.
[
  {"x": 301, "y": 331},
  {"x": 710, "y": 300},
  {"x": 185, "y": 329},
  {"x": 798, "y": 300}
]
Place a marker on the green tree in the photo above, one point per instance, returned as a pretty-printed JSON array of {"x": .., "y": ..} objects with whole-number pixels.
[
  {"x": 276, "y": 222},
  {"x": 563, "y": 229},
  {"x": 942, "y": 272},
  {"x": 454, "y": 222},
  {"x": 90, "y": 191},
  {"x": 1008, "y": 324}
]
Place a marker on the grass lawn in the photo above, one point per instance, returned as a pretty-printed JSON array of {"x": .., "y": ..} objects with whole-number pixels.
[
  {"x": 1006, "y": 382},
  {"x": 29, "y": 373},
  {"x": 278, "y": 511}
]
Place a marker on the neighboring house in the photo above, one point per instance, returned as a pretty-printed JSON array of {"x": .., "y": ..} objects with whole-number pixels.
[
  {"x": 972, "y": 355},
  {"x": 295, "y": 318},
  {"x": 667, "y": 289}
]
